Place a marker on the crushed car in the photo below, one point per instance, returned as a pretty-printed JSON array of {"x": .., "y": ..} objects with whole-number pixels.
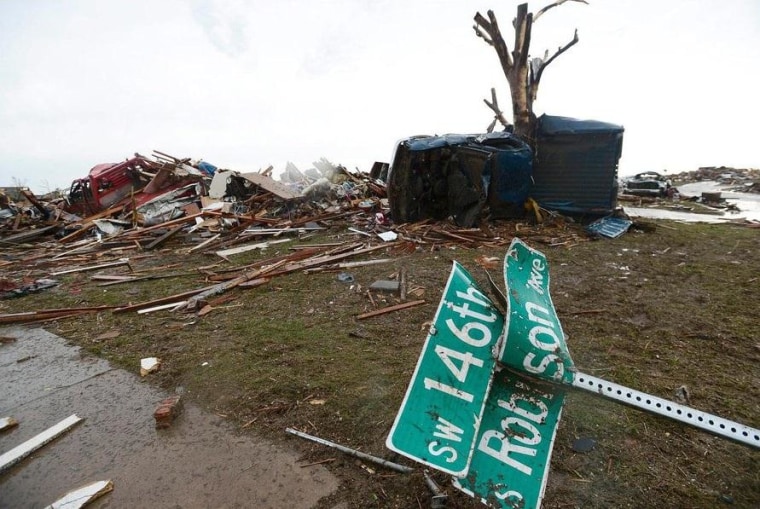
[
  {"x": 459, "y": 176},
  {"x": 133, "y": 182},
  {"x": 648, "y": 183},
  {"x": 106, "y": 184}
]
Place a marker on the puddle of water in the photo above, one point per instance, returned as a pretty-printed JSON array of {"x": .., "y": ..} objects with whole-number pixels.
[
  {"x": 199, "y": 462},
  {"x": 689, "y": 217}
]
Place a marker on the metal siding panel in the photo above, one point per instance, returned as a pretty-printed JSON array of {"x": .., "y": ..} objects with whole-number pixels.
[{"x": 577, "y": 171}]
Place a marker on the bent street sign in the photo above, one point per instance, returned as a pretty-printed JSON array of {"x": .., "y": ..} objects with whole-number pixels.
[
  {"x": 513, "y": 450},
  {"x": 535, "y": 343},
  {"x": 439, "y": 417},
  {"x": 510, "y": 461}
]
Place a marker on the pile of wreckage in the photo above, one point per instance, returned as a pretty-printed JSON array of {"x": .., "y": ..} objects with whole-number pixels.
[
  {"x": 744, "y": 179},
  {"x": 127, "y": 212},
  {"x": 147, "y": 201},
  {"x": 131, "y": 214},
  {"x": 142, "y": 192}
]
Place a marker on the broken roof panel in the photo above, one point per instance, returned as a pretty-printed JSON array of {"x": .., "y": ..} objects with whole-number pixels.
[{"x": 271, "y": 185}]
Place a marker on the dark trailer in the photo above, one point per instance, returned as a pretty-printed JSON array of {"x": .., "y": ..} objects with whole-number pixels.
[
  {"x": 458, "y": 175},
  {"x": 575, "y": 169}
]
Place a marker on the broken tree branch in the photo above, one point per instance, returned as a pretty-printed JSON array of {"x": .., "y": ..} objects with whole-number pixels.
[
  {"x": 498, "y": 114},
  {"x": 537, "y": 78},
  {"x": 555, "y": 4},
  {"x": 523, "y": 23},
  {"x": 495, "y": 39}
]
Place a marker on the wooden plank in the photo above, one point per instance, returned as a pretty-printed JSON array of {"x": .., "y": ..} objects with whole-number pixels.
[
  {"x": 249, "y": 247},
  {"x": 323, "y": 260},
  {"x": 254, "y": 283},
  {"x": 145, "y": 278},
  {"x": 163, "y": 238},
  {"x": 112, "y": 277},
  {"x": 390, "y": 309},
  {"x": 349, "y": 265},
  {"x": 204, "y": 243},
  {"x": 220, "y": 288},
  {"x": 80, "y": 497},
  {"x": 170, "y": 305},
  {"x": 23, "y": 450},
  {"x": 182, "y": 220},
  {"x": 33, "y": 316},
  {"x": 119, "y": 263},
  {"x": 162, "y": 300}
]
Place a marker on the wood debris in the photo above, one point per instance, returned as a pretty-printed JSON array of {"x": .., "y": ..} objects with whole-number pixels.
[
  {"x": 7, "y": 423},
  {"x": 80, "y": 497},
  {"x": 390, "y": 309},
  {"x": 185, "y": 208},
  {"x": 23, "y": 450}
]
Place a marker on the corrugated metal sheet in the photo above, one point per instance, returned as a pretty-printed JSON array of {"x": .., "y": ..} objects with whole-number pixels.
[
  {"x": 575, "y": 169},
  {"x": 612, "y": 227}
]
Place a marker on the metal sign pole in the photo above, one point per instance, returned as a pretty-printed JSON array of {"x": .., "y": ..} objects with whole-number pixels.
[{"x": 666, "y": 408}]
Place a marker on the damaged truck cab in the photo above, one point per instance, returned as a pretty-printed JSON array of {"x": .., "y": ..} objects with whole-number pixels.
[
  {"x": 572, "y": 170},
  {"x": 106, "y": 185},
  {"x": 458, "y": 175}
]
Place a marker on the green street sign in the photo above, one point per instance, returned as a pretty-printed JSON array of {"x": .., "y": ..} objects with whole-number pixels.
[
  {"x": 535, "y": 343},
  {"x": 510, "y": 461},
  {"x": 479, "y": 406},
  {"x": 439, "y": 417},
  {"x": 510, "y": 464}
]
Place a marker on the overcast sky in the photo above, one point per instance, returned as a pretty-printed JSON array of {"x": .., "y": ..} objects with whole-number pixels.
[{"x": 248, "y": 83}]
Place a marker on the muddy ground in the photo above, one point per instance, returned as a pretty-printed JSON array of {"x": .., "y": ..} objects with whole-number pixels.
[{"x": 653, "y": 310}]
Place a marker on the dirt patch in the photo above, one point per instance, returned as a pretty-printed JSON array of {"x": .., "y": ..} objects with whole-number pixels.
[{"x": 653, "y": 311}]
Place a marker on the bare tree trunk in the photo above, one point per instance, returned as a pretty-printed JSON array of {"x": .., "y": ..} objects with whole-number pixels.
[{"x": 523, "y": 75}]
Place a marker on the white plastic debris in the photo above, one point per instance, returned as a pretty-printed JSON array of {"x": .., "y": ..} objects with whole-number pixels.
[
  {"x": 388, "y": 236},
  {"x": 149, "y": 365}
]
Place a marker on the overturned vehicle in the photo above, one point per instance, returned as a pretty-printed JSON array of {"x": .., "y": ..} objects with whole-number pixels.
[
  {"x": 573, "y": 170},
  {"x": 649, "y": 183},
  {"x": 458, "y": 175}
]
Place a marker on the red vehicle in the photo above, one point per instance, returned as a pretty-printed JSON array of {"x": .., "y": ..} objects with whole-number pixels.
[{"x": 107, "y": 184}]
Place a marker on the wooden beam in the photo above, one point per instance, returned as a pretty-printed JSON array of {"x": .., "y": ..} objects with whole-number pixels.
[
  {"x": 390, "y": 309},
  {"x": 20, "y": 452},
  {"x": 163, "y": 238},
  {"x": 119, "y": 263},
  {"x": 32, "y": 316},
  {"x": 162, "y": 300}
]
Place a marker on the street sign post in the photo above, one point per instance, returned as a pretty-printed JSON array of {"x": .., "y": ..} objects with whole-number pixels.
[{"x": 438, "y": 421}]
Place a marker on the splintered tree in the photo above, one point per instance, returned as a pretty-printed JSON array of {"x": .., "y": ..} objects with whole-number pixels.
[{"x": 522, "y": 72}]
